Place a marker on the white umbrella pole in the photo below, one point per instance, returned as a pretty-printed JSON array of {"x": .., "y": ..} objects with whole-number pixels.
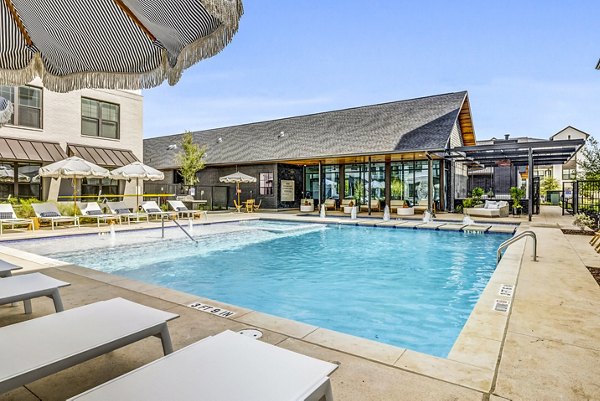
[{"x": 137, "y": 194}]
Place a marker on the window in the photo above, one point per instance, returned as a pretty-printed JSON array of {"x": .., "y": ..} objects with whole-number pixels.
[
  {"x": 27, "y": 102},
  {"x": 99, "y": 118},
  {"x": 568, "y": 173},
  {"x": 99, "y": 186},
  {"x": 19, "y": 180},
  {"x": 266, "y": 184}
]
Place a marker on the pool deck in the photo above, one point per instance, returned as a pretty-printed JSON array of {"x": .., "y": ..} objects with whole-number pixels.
[{"x": 546, "y": 346}]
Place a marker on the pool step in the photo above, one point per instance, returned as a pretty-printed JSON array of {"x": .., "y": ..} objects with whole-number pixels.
[
  {"x": 452, "y": 227},
  {"x": 503, "y": 229},
  {"x": 478, "y": 228},
  {"x": 432, "y": 225}
]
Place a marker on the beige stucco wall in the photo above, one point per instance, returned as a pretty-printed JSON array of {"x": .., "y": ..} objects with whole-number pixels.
[{"x": 62, "y": 124}]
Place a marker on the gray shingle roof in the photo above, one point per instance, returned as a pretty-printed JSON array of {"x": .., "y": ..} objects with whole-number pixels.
[{"x": 407, "y": 125}]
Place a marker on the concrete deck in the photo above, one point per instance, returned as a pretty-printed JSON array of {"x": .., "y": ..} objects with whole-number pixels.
[{"x": 544, "y": 347}]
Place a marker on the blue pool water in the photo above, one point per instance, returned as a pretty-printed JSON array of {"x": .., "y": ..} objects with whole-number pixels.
[{"x": 409, "y": 288}]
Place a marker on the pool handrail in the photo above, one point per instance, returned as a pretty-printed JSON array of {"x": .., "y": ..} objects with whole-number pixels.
[{"x": 514, "y": 239}]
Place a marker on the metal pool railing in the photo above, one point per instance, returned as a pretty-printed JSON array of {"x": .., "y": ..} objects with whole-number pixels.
[
  {"x": 162, "y": 218},
  {"x": 515, "y": 239}
]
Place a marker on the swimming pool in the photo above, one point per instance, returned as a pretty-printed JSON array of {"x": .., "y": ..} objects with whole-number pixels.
[{"x": 409, "y": 288}]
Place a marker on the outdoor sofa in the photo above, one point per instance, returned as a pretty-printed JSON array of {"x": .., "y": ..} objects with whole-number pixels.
[
  {"x": 490, "y": 209},
  {"x": 329, "y": 204},
  {"x": 40, "y": 347}
]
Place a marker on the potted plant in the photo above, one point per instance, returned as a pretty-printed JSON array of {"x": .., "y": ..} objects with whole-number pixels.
[
  {"x": 582, "y": 221},
  {"x": 516, "y": 194}
]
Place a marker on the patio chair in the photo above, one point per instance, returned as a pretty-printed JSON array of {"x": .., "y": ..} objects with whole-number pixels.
[
  {"x": 28, "y": 286},
  {"x": 330, "y": 204},
  {"x": 46, "y": 345},
  {"x": 257, "y": 205},
  {"x": 120, "y": 209},
  {"x": 206, "y": 370},
  {"x": 50, "y": 213},
  {"x": 152, "y": 209},
  {"x": 249, "y": 205},
  {"x": 8, "y": 217},
  {"x": 238, "y": 207},
  {"x": 92, "y": 210},
  {"x": 183, "y": 211},
  {"x": 375, "y": 206}
]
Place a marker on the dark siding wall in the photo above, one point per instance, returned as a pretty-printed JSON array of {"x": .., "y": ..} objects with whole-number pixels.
[{"x": 289, "y": 172}]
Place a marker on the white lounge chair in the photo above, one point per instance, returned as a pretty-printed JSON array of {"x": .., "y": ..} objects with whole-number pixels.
[
  {"x": 7, "y": 268},
  {"x": 92, "y": 210},
  {"x": 183, "y": 211},
  {"x": 120, "y": 209},
  {"x": 28, "y": 286},
  {"x": 152, "y": 209},
  {"x": 49, "y": 212},
  {"x": 9, "y": 218},
  {"x": 225, "y": 367},
  {"x": 40, "y": 347}
]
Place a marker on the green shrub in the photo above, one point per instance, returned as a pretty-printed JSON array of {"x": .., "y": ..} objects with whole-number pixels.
[
  {"x": 477, "y": 193},
  {"x": 516, "y": 195},
  {"x": 458, "y": 209},
  {"x": 23, "y": 207},
  {"x": 68, "y": 209},
  {"x": 469, "y": 202}
]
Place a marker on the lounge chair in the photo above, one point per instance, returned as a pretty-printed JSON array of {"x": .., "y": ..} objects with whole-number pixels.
[
  {"x": 152, "y": 209},
  {"x": 7, "y": 268},
  {"x": 40, "y": 347},
  {"x": 224, "y": 367},
  {"x": 49, "y": 212},
  {"x": 183, "y": 211},
  {"x": 92, "y": 210},
  {"x": 9, "y": 218},
  {"x": 28, "y": 286},
  {"x": 120, "y": 209},
  {"x": 422, "y": 206},
  {"x": 375, "y": 206},
  {"x": 346, "y": 202},
  {"x": 330, "y": 204}
]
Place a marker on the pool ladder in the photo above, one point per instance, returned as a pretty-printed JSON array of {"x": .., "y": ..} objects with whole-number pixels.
[
  {"x": 162, "y": 218},
  {"x": 514, "y": 239}
]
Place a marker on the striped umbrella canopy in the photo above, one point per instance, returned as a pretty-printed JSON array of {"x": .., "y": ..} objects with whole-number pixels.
[
  {"x": 113, "y": 44},
  {"x": 6, "y": 110}
]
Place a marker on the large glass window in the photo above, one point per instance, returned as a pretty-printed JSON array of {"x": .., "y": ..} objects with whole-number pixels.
[
  {"x": 311, "y": 182},
  {"x": 99, "y": 186},
  {"x": 331, "y": 175},
  {"x": 19, "y": 180},
  {"x": 354, "y": 182},
  {"x": 99, "y": 118},
  {"x": 410, "y": 180},
  {"x": 266, "y": 184},
  {"x": 377, "y": 184},
  {"x": 27, "y": 103}
]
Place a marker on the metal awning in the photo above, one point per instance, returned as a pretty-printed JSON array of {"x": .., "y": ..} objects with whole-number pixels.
[
  {"x": 103, "y": 156},
  {"x": 544, "y": 152},
  {"x": 26, "y": 150}
]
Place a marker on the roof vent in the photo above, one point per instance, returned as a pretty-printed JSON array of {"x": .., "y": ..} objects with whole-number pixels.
[
  {"x": 219, "y": 140},
  {"x": 506, "y": 137},
  {"x": 281, "y": 134},
  {"x": 172, "y": 147}
]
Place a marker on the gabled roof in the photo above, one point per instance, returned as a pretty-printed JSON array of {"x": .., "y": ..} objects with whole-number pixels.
[
  {"x": 409, "y": 125},
  {"x": 570, "y": 127}
]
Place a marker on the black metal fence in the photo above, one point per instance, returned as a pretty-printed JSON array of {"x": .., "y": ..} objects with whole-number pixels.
[
  {"x": 205, "y": 197},
  {"x": 582, "y": 197}
]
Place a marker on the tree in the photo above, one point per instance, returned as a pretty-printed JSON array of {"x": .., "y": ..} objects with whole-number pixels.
[
  {"x": 590, "y": 162},
  {"x": 191, "y": 159},
  {"x": 548, "y": 184}
]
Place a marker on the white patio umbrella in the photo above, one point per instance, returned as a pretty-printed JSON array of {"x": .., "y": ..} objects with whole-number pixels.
[
  {"x": 74, "y": 168},
  {"x": 137, "y": 170},
  {"x": 113, "y": 44},
  {"x": 6, "y": 110},
  {"x": 236, "y": 178}
]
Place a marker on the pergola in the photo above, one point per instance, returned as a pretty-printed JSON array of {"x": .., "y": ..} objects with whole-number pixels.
[{"x": 515, "y": 153}]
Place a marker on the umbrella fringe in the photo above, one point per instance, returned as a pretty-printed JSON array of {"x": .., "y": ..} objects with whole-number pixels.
[{"x": 227, "y": 11}]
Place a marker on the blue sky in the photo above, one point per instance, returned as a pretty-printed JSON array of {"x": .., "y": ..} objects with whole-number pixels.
[{"x": 528, "y": 65}]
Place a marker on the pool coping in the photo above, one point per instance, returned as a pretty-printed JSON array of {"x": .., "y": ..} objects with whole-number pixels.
[{"x": 472, "y": 362}]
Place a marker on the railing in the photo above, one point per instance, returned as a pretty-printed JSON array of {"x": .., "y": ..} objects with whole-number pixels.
[
  {"x": 515, "y": 239},
  {"x": 162, "y": 218}
]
